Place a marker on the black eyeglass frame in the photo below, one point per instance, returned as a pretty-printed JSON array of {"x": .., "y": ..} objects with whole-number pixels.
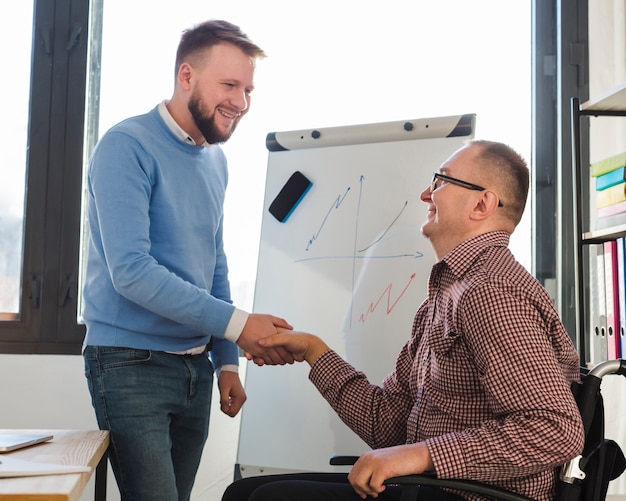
[{"x": 458, "y": 182}]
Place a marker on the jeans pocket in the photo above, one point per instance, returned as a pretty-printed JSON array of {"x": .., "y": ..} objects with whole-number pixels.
[{"x": 111, "y": 357}]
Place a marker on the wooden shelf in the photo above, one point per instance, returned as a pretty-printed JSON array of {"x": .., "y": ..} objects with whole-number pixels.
[
  {"x": 600, "y": 236},
  {"x": 613, "y": 100},
  {"x": 609, "y": 104}
]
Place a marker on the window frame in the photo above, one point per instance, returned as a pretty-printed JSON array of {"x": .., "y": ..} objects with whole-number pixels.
[{"x": 47, "y": 322}]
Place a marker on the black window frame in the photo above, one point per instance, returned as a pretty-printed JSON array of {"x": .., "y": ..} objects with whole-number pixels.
[
  {"x": 47, "y": 321},
  {"x": 560, "y": 71}
]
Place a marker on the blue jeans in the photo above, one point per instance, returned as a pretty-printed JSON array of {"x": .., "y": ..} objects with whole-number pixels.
[{"x": 156, "y": 406}]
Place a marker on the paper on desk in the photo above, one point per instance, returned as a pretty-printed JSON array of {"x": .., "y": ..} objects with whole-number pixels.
[{"x": 11, "y": 467}]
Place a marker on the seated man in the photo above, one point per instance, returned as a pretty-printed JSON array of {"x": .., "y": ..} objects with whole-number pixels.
[{"x": 481, "y": 390}]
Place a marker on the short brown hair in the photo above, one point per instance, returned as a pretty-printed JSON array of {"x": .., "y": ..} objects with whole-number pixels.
[
  {"x": 213, "y": 32},
  {"x": 503, "y": 163}
]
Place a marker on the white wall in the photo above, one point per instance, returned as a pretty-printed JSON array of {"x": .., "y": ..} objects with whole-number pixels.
[{"x": 50, "y": 392}]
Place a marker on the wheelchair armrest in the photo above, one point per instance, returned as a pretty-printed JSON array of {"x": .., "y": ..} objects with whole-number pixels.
[
  {"x": 457, "y": 484},
  {"x": 343, "y": 460},
  {"x": 433, "y": 481}
]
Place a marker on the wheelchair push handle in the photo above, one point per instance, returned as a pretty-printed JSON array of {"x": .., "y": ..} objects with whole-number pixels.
[{"x": 601, "y": 369}]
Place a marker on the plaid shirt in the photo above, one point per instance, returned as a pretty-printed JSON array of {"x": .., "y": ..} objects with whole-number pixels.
[{"x": 484, "y": 379}]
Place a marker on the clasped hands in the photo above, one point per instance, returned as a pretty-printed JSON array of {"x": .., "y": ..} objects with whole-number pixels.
[{"x": 270, "y": 340}]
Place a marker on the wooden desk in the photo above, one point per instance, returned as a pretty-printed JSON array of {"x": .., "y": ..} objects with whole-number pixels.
[{"x": 75, "y": 447}]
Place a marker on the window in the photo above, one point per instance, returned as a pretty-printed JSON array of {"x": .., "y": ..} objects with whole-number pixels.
[
  {"x": 43, "y": 319},
  {"x": 15, "y": 48}
]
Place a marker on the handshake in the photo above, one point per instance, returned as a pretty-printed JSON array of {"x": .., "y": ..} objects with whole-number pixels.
[{"x": 269, "y": 340}]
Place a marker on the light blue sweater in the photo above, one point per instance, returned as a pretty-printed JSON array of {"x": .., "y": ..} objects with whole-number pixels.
[{"x": 157, "y": 276}]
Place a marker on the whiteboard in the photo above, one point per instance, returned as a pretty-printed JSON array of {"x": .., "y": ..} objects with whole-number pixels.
[{"x": 349, "y": 265}]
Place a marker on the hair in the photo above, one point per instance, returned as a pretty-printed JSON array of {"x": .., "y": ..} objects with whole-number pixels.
[
  {"x": 503, "y": 163},
  {"x": 213, "y": 32}
]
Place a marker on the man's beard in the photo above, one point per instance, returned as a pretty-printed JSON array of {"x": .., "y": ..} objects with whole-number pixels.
[{"x": 206, "y": 124}]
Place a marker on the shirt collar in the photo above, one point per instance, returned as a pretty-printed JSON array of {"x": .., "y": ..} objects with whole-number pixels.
[
  {"x": 174, "y": 127},
  {"x": 463, "y": 255}
]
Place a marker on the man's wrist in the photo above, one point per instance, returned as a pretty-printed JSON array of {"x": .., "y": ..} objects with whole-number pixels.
[
  {"x": 235, "y": 325},
  {"x": 227, "y": 368},
  {"x": 315, "y": 351}
]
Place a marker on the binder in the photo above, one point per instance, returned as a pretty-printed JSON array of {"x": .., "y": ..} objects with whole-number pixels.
[
  {"x": 597, "y": 306},
  {"x": 611, "y": 178},
  {"x": 621, "y": 280},
  {"x": 622, "y": 343},
  {"x": 613, "y": 195},
  {"x": 611, "y": 210},
  {"x": 612, "y": 299},
  {"x": 607, "y": 164}
]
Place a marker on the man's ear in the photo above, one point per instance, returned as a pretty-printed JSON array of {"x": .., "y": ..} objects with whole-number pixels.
[
  {"x": 185, "y": 73},
  {"x": 485, "y": 206}
]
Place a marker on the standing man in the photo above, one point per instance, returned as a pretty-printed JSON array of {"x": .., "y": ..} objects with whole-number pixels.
[
  {"x": 481, "y": 390},
  {"x": 157, "y": 296}
]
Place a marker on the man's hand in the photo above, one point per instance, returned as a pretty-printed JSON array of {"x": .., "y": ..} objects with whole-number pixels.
[
  {"x": 258, "y": 327},
  {"x": 300, "y": 345},
  {"x": 232, "y": 394},
  {"x": 374, "y": 467}
]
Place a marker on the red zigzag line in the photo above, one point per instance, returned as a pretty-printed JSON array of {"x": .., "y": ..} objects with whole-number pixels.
[{"x": 390, "y": 306}]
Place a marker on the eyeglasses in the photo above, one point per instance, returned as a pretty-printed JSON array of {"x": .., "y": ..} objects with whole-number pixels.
[{"x": 458, "y": 182}]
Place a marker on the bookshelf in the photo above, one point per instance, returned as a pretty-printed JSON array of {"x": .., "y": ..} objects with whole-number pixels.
[
  {"x": 601, "y": 236},
  {"x": 610, "y": 104},
  {"x": 614, "y": 100}
]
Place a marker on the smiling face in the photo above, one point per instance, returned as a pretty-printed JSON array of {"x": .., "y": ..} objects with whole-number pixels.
[
  {"x": 449, "y": 220},
  {"x": 481, "y": 188},
  {"x": 220, "y": 91}
]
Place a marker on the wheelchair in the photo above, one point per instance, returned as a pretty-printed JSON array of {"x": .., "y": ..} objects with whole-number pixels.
[{"x": 584, "y": 478}]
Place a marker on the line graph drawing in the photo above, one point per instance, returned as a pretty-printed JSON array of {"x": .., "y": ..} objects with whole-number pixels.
[
  {"x": 335, "y": 205},
  {"x": 363, "y": 252},
  {"x": 388, "y": 228}
]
